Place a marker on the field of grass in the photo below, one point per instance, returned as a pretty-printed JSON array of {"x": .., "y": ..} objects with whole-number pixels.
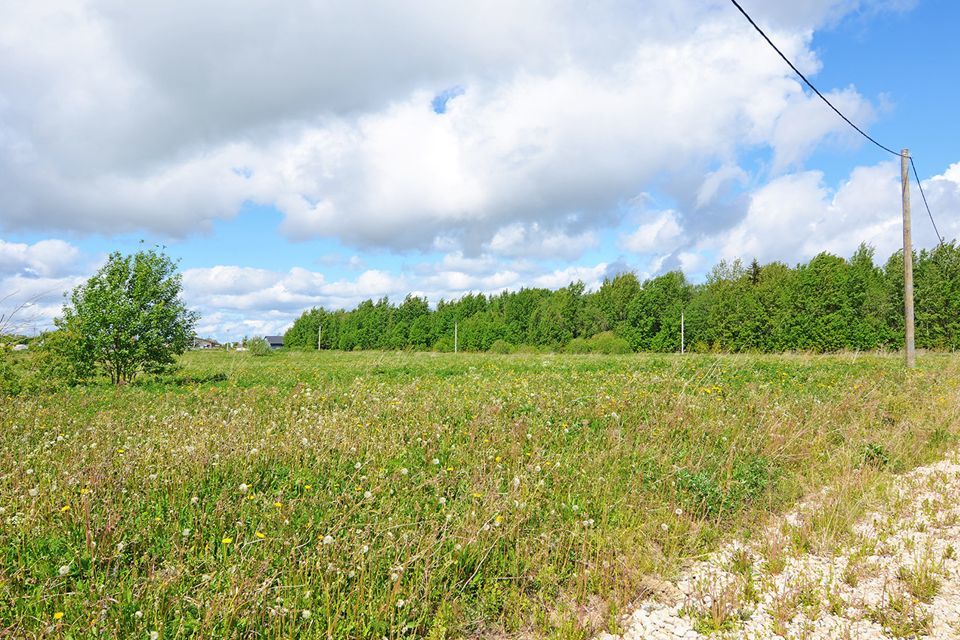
[{"x": 375, "y": 495}]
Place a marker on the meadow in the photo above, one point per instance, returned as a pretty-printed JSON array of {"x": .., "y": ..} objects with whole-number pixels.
[{"x": 372, "y": 495}]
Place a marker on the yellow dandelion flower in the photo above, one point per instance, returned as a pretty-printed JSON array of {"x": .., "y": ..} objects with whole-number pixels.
[
  {"x": 260, "y": 535},
  {"x": 278, "y": 504},
  {"x": 84, "y": 491},
  {"x": 308, "y": 487},
  {"x": 477, "y": 494},
  {"x": 65, "y": 508},
  {"x": 227, "y": 541},
  {"x": 58, "y": 615},
  {"x": 497, "y": 459},
  {"x": 498, "y": 519}
]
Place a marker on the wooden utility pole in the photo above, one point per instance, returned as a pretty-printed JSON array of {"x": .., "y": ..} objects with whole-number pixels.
[
  {"x": 319, "y": 335},
  {"x": 682, "y": 345},
  {"x": 455, "y": 337},
  {"x": 908, "y": 332}
]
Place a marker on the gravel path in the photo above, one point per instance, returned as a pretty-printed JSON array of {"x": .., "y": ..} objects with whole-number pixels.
[{"x": 900, "y": 577}]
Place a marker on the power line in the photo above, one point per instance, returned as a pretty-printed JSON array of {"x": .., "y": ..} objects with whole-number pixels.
[
  {"x": 924, "y": 196},
  {"x": 839, "y": 113},
  {"x": 809, "y": 84}
]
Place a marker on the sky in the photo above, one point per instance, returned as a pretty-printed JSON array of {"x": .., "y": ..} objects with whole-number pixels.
[{"x": 323, "y": 152}]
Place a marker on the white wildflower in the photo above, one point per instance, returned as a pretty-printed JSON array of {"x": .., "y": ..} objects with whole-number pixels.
[
  {"x": 243, "y": 488},
  {"x": 305, "y": 614},
  {"x": 64, "y": 570},
  {"x": 328, "y": 539}
]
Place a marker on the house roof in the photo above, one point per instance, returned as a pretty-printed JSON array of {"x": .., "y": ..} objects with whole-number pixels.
[{"x": 274, "y": 339}]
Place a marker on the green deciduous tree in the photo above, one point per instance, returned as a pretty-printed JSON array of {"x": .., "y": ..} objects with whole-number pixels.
[{"x": 128, "y": 318}]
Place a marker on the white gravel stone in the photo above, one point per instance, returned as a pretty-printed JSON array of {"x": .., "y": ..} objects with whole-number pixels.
[{"x": 860, "y": 593}]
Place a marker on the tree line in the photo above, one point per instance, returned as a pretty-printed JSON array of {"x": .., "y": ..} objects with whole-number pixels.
[{"x": 827, "y": 304}]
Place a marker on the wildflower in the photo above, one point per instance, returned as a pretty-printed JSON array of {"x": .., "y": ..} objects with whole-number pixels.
[
  {"x": 138, "y": 614},
  {"x": 260, "y": 535},
  {"x": 367, "y": 495},
  {"x": 30, "y": 473},
  {"x": 64, "y": 570},
  {"x": 477, "y": 494},
  {"x": 498, "y": 519},
  {"x": 679, "y": 511},
  {"x": 65, "y": 508},
  {"x": 227, "y": 540},
  {"x": 328, "y": 539},
  {"x": 243, "y": 488},
  {"x": 58, "y": 615},
  {"x": 84, "y": 491},
  {"x": 154, "y": 635},
  {"x": 186, "y": 533},
  {"x": 436, "y": 461},
  {"x": 497, "y": 459},
  {"x": 401, "y": 603},
  {"x": 305, "y": 442},
  {"x": 664, "y": 526},
  {"x": 278, "y": 504},
  {"x": 305, "y": 614},
  {"x": 33, "y": 492},
  {"x": 308, "y": 487},
  {"x": 194, "y": 500},
  {"x": 357, "y": 466},
  {"x": 442, "y": 501},
  {"x": 404, "y": 471},
  {"x": 364, "y": 549}
]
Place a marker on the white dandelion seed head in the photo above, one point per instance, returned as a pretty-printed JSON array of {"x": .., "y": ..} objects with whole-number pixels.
[
  {"x": 328, "y": 539},
  {"x": 33, "y": 492},
  {"x": 442, "y": 501},
  {"x": 138, "y": 614},
  {"x": 404, "y": 471},
  {"x": 194, "y": 500},
  {"x": 401, "y": 603},
  {"x": 154, "y": 635},
  {"x": 679, "y": 511},
  {"x": 64, "y": 570},
  {"x": 435, "y": 461},
  {"x": 186, "y": 533},
  {"x": 357, "y": 466},
  {"x": 665, "y": 526},
  {"x": 367, "y": 495},
  {"x": 243, "y": 488},
  {"x": 364, "y": 549},
  {"x": 305, "y": 614}
]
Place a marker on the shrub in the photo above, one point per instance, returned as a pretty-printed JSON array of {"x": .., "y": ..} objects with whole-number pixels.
[
  {"x": 259, "y": 347},
  {"x": 501, "y": 346}
]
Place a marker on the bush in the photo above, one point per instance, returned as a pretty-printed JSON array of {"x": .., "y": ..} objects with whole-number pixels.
[
  {"x": 501, "y": 346},
  {"x": 606, "y": 343},
  {"x": 259, "y": 347}
]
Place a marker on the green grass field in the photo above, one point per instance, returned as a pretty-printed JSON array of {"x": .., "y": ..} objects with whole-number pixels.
[{"x": 317, "y": 495}]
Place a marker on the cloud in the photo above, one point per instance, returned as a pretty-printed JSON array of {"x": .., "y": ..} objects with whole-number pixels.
[
  {"x": 167, "y": 117},
  {"x": 661, "y": 235},
  {"x": 797, "y": 216}
]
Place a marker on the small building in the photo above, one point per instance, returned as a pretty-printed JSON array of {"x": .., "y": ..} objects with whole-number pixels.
[
  {"x": 205, "y": 343},
  {"x": 275, "y": 342},
  {"x": 20, "y": 347}
]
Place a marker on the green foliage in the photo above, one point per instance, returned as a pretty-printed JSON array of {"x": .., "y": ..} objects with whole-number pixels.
[
  {"x": 828, "y": 304},
  {"x": 259, "y": 347},
  {"x": 128, "y": 318}
]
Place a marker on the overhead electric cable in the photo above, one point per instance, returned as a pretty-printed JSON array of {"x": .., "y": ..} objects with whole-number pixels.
[
  {"x": 924, "y": 196},
  {"x": 839, "y": 113},
  {"x": 809, "y": 84}
]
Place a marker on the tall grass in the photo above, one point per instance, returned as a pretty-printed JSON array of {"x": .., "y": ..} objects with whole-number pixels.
[{"x": 392, "y": 495}]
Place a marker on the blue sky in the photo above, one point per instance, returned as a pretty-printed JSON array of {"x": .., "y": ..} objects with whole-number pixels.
[{"x": 305, "y": 154}]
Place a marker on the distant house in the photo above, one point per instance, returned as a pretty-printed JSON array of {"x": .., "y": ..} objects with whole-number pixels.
[
  {"x": 20, "y": 347},
  {"x": 275, "y": 342},
  {"x": 204, "y": 343}
]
